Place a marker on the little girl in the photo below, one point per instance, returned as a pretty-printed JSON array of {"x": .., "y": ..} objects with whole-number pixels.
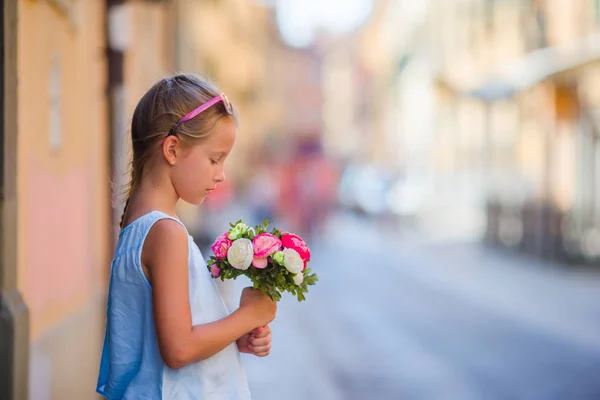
[{"x": 168, "y": 332}]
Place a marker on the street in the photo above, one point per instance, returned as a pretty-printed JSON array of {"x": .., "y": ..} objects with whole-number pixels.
[{"x": 396, "y": 318}]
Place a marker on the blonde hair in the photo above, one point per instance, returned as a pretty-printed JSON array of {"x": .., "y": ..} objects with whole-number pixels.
[{"x": 160, "y": 109}]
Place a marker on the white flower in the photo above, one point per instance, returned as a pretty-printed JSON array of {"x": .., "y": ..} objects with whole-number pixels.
[
  {"x": 292, "y": 261},
  {"x": 240, "y": 254},
  {"x": 299, "y": 278}
]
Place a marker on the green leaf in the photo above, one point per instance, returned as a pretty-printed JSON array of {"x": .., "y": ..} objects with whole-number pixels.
[{"x": 311, "y": 279}]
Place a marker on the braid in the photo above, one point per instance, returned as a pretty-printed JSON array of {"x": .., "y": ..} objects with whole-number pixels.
[
  {"x": 124, "y": 211},
  {"x": 132, "y": 183}
]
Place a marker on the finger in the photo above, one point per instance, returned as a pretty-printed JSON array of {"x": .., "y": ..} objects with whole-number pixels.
[
  {"x": 258, "y": 331},
  {"x": 261, "y": 351},
  {"x": 261, "y": 348},
  {"x": 261, "y": 341},
  {"x": 262, "y": 333}
]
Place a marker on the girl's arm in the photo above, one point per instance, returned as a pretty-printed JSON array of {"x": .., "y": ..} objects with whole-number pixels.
[{"x": 165, "y": 258}]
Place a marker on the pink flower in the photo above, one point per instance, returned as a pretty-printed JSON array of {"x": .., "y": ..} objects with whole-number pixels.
[
  {"x": 221, "y": 246},
  {"x": 264, "y": 245},
  {"x": 214, "y": 271},
  {"x": 259, "y": 263},
  {"x": 291, "y": 241}
]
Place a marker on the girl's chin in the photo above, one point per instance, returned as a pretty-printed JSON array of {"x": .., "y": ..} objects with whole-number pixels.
[
  {"x": 196, "y": 201},
  {"x": 200, "y": 201}
]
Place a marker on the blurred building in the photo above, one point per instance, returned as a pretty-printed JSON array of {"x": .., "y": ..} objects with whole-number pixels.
[
  {"x": 295, "y": 146},
  {"x": 486, "y": 108},
  {"x": 518, "y": 104},
  {"x": 230, "y": 42},
  {"x": 344, "y": 83},
  {"x": 391, "y": 87}
]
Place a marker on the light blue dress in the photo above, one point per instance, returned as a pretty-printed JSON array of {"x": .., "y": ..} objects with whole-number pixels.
[{"x": 131, "y": 366}]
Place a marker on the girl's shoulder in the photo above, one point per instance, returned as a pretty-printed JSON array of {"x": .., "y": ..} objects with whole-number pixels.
[
  {"x": 153, "y": 228},
  {"x": 156, "y": 240},
  {"x": 167, "y": 240},
  {"x": 145, "y": 222},
  {"x": 166, "y": 232}
]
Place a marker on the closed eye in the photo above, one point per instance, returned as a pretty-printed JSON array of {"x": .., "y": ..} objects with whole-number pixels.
[{"x": 213, "y": 162}]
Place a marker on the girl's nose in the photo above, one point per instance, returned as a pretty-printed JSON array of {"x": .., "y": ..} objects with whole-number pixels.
[{"x": 221, "y": 177}]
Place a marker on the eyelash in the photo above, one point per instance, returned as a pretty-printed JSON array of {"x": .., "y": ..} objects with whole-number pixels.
[{"x": 213, "y": 162}]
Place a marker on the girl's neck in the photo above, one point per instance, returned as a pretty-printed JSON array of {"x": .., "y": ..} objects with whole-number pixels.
[{"x": 151, "y": 195}]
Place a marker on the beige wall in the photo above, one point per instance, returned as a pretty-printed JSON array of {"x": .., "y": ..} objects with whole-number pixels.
[{"x": 62, "y": 189}]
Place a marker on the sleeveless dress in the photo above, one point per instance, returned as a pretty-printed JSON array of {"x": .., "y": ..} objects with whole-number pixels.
[{"x": 131, "y": 366}]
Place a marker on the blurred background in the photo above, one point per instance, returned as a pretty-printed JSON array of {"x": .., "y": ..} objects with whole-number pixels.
[{"x": 441, "y": 158}]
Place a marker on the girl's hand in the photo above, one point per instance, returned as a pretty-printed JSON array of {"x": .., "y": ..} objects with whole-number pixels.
[
  {"x": 258, "y": 305},
  {"x": 257, "y": 342}
]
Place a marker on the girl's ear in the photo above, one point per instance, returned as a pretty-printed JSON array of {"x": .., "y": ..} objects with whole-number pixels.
[{"x": 170, "y": 149}]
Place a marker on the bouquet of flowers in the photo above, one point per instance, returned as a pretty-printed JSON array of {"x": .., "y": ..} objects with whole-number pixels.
[{"x": 275, "y": 262}]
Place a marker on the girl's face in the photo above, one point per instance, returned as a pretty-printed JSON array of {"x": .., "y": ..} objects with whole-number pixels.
[{"x": 201, "y": 167}]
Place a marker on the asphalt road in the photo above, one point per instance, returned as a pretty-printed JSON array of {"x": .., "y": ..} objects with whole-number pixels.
[{"x": 403, "y": 318}]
